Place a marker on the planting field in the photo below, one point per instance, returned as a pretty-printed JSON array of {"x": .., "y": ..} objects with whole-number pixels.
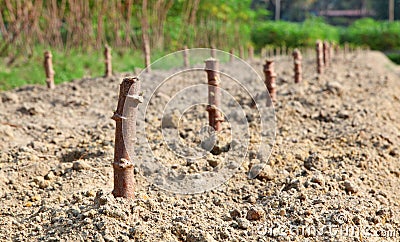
[{"x": 334, "y": 170}]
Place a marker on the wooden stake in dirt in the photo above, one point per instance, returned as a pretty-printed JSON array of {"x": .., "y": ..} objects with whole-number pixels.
[
  {"x": 337, "y": 49},
  {"x": 186, "y": 56},
  {"x": 213, "y": 52},
  {"x": 48, "y": 68},
  {"x": 332, "y": 47},
  {"x": 284, "y": 50},
  {"x": 231, "y": 56},
  {"x": 290, "y": 50},
  {"x": 147, "y": 60},
  {"x": 270, "y": 52},
  {"x": 214, "y": 94},
  {"x": 278, "y": 51},
  {"x": 124, "y": 182},
  {"x": 250, "y": 53},
  {"x": 108, "y": 62},
  {"x": 241, "y": 52},
  {"x": 297, "y": 65},
  {"x": 320, "y": 57},
  {"x": 346, "y": 49},
  {"x": 270, "y": 77},
  {"x": 263, "y": 53},
  {"x": 326, "y": 53}
]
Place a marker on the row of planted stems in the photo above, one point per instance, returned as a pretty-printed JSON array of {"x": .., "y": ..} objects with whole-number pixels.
[
  {"x": 267, "y": 52},
  {"x": 124, "y": 185}
]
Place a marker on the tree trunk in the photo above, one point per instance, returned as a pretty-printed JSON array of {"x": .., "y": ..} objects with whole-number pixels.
[
  {"x": 391, "y": 10},
  {"x": 277, "y": 10}
]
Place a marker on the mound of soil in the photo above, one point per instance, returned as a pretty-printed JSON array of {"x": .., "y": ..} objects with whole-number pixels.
[{"x": 333, "y": 173}]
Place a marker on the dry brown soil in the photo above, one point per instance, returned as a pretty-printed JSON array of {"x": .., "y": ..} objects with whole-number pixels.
[{"x": 335, "y": 164}]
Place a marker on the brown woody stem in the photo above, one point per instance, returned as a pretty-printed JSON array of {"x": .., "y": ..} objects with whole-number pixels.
[
  {"x": 320, "y": 56},
  {"x": 327, "y": 51},
  {"x": 297, "y": 65},
  {"x": 108, "y": 62},
  {"x": 214, "y": 94},
  {"x": 48, "y": 68},
  {"x": 124, "y": 182}
]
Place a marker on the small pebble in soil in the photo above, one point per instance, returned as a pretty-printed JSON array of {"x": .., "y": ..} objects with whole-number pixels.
[
  {"x": 350, "y": 187},
  {"x": 262, "y": 172},
  {"x": 235, "y": 214},
  {"x": 80, "y": 165},
  {"x": 243, "y": 223},
  {"x": 316, "y": 161},
  {"x": 255, "y": 213},
  {"x": 49, "y": 176}
]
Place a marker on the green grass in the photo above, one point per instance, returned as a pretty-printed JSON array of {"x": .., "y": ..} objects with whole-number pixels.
[
  {"x": 70, "y": 65},
  {"x": 77, "y": 64}
]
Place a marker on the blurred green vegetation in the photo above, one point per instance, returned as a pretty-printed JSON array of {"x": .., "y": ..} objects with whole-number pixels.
[
  {"x": 378, "y": 35},
  {"x": 395, "y": 57},
  {"x": 76, "y": 63},
  {"x": 292, "y": 34}
]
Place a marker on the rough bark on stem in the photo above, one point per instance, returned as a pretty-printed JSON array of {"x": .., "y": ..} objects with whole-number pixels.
[
  {"x": 48, "y": 68},
  {"x": 297, "y": 65},
  {"x": 270, "y": 77},
  {"x": 214, "y": 94},
  {"x": 124, "y": 182},
  {"x": 108, "y": 61}
]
